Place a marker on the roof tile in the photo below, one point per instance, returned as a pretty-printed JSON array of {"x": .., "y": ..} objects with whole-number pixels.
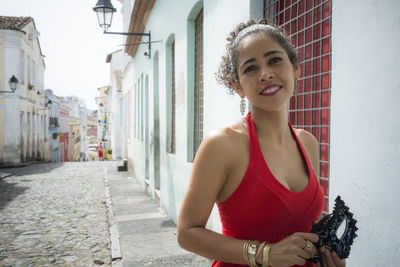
[{"x": 14, "y": 23}]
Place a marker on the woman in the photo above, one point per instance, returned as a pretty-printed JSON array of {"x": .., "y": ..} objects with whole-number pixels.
[
  {"x": 259, "y": 171},
  {"x": 100, "y": 150}
]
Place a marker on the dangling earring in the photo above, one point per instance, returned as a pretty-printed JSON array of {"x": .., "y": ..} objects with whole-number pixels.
[{"x": 242, "y": 106}]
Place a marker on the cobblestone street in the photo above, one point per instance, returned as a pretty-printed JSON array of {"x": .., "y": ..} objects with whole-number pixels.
[{"x": 54, "y": 215}]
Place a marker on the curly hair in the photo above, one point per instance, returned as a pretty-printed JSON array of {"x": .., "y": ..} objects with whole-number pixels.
[{"x": 227, "y": 72}]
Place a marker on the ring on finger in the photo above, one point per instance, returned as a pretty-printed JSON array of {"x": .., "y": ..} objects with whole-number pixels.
[{"x": 308, "y": 247}]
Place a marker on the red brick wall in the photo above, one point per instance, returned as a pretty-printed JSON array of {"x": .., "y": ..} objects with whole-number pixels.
[{"x": 309, "y": 24}]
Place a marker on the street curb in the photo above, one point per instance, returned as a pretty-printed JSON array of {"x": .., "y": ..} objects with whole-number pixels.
[
  {"x": 4, "y": 175},
  {"x": 116, "y": 255},
  {"x": 20, "y": 165}
]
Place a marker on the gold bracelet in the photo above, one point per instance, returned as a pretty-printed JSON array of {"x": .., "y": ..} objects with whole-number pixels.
[
  {"x": 266, "y": 251},
  {"x": 245, "y": 252},
  {"x": 250, "y": 252},
  {"x": 260, "y": 248}
]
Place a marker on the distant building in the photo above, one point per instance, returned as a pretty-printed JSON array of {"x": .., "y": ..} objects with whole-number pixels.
[
  {"x": 92, "y": 127},
  {"x": 103, "y": 117},
  {"x": 74, "y": 150},
  {"x": 23, "y": 115},
  {"x": 83, "y": 117},
  {"x": 64, "y": 131},
  {"x": 54, "y": 126}
]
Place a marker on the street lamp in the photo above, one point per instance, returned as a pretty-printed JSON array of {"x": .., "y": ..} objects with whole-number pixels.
[
  {"x": 104, "y": 10},
  {"x": 13, "y": 82},
  {"x": 47, "y": 105},
  {"x": 101, "y": 107}
]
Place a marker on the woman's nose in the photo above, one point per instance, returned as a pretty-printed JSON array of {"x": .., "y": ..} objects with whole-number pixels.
[{"x": 266, "y": 73}]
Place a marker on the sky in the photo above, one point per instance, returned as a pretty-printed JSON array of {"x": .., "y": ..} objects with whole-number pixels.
[{"x": 73, "y": 43}]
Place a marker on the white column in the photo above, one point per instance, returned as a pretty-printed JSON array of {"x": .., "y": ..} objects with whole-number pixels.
[
  {"x": 365, "y": 139},
  {"x": 12, "y": 149}
]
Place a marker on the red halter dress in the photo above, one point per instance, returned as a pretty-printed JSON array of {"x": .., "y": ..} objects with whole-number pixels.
[{"x": 263, "y": 209}]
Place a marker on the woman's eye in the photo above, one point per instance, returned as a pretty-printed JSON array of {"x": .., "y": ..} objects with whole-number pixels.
[
  {"x": 275, "y": 60},
  {"x": 248, "y": 69}
]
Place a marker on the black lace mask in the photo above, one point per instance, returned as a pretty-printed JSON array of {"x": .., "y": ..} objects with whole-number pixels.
[{"x": 327, "y": 228}]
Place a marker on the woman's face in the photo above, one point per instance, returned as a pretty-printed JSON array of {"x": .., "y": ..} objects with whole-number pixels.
[{"x": 266, "y": 75}]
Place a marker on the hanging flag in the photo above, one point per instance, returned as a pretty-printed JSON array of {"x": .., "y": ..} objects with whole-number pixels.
[{"x": 105, "y": 119}]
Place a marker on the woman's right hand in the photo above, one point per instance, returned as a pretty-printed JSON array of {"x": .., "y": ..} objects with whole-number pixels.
[
  {"x": 290, "y": 251},
  {"x": 331, "y": 259}
]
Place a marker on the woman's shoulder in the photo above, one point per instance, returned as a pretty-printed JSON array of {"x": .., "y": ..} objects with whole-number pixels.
[
  {"x": 306, "y": 138},
  {"x": 311, "y": 146},
  {"x": 228, "y": 139}
]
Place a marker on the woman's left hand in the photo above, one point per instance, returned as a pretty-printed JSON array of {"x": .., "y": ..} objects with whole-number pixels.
[{"x": 331, "y": 259}]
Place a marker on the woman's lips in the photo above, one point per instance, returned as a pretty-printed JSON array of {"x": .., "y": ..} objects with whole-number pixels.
[{"x": 271, "y": 90}]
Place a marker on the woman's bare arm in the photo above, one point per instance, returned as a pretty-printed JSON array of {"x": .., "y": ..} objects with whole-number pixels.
[{"x": 210, "y": 170}]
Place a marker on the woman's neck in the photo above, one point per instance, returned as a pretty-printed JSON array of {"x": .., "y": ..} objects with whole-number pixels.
[{"x": 272, "y": 126}]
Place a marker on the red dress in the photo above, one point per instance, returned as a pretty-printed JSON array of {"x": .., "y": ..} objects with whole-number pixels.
[
  {"x": 100, "y": 150},
  {"x": 263, "y": 209}
]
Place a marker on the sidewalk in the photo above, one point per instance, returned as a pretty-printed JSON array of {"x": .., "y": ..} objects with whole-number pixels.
[{"x": 141, "y": 234}]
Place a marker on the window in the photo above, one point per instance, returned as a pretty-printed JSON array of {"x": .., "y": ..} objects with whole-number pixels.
[
  {"x": 121, "y": 105},
  {"x": 34, "y": 74},
  {"x": 173, "y": 99},
  {"x": 138, "y": 109},
  {"x": 309, "y": 24},
  {"x": 28, "y": 135},
  {"x": 39, "y": 79},
  {"x": 129, "y": 110},
  {"x": 29, "y": 70},
  {"x": 141, "y": 109},
  {"x": 194, "y": 59},
  {"x": 126, "y": 100},
  {"x": 22, "y": 67},
  {"x": 198, "y": 82},
  {"x": 43, "y": 120},
  {"x": 135, "y": 101},
  {"x": 171, "y": 95}
]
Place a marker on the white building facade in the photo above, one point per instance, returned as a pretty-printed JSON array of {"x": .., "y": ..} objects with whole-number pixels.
[
  {"x": 116, "y": 103},
  {"x": 365, "y": 139},
  {"x": 347, "y": 99},
  {"x": 23, "y": 115}
]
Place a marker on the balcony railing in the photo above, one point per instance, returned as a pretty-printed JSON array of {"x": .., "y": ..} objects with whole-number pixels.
[{"x": 54, "y": 122}]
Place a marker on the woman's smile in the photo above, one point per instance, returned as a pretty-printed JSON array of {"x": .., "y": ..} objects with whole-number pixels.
[{"x": 271, "y": 90}]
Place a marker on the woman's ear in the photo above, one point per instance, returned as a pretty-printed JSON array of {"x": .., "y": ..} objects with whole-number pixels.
[
  {"x": 238, "y": 89},
  {"x": 297, "y": 72}
]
